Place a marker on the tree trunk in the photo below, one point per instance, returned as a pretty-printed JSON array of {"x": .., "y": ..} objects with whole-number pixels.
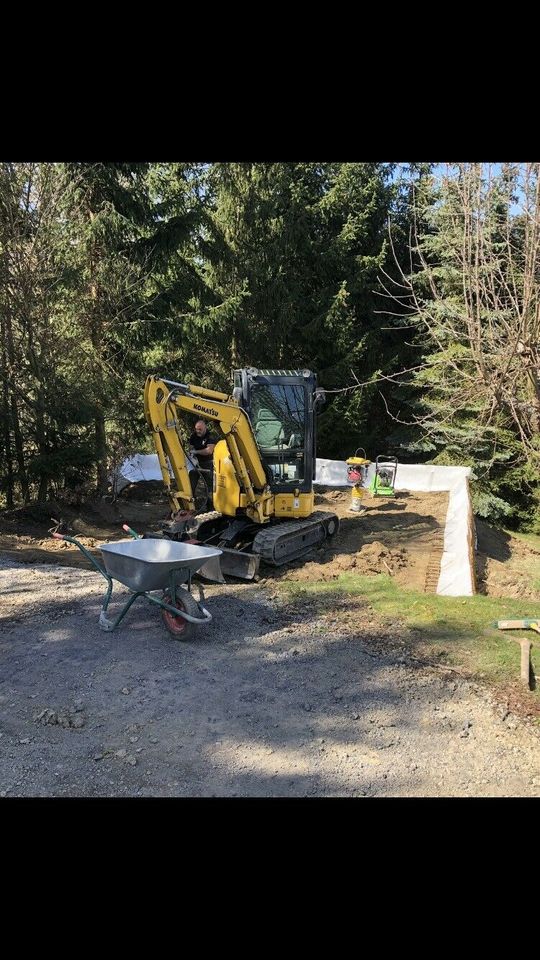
[
  {"x": 7, "y": 430},
  {"x": 41, "y": 440},
  {"x": 234, "y": 351},
  {"x": 15, "y": 422},
  {"x": 101, "y": 453},
  {"x": 100, "y": 437}
]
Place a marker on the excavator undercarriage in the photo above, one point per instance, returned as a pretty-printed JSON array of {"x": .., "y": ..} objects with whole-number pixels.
[{"x": 245, "y": 545}]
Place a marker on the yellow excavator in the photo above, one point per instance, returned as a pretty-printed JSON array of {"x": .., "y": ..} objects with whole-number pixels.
[{"x": 264, "y": 466}]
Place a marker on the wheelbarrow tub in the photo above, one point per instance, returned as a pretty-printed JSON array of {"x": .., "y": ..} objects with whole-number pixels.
[{"x": 145, "y": 565}]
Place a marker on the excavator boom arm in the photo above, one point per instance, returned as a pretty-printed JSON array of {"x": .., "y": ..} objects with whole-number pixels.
[{"x": 162, "y": 401}]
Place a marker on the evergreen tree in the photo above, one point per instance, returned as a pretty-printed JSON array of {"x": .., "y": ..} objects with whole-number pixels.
[
  {"x": 36, "y": 399},
  {"x": 109, "y": 218},
  {"x": 293, "y": 254}
]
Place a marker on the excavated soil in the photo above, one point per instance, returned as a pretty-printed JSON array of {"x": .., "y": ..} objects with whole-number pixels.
[
  {"x": 25, "y": 536},
  {"x": 502, "y": 562},
  {"x": 401, "y": 536}
]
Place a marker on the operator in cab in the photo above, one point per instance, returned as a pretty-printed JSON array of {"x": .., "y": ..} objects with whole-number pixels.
[{"x": 201, "y": 444}]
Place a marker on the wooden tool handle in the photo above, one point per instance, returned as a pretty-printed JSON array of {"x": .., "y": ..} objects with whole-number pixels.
[
  {"x": 525, "y": 660},
  {"x": 512, "y": 624}
]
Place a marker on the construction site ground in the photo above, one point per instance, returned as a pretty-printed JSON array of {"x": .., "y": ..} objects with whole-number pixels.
[{"x": 273, "y": 698}]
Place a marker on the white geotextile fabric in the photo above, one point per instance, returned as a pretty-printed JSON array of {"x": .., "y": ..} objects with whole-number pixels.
[{"x": 456, "y": 577}]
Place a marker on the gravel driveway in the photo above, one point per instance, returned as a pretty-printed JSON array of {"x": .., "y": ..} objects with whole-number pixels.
[{"x": 264, "y": 702}]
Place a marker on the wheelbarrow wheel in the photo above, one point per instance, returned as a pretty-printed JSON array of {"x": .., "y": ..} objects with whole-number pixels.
[{"x": 179, "y": 628}]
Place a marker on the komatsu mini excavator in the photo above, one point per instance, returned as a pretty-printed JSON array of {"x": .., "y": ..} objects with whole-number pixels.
[{"x": 264, "y": 466}]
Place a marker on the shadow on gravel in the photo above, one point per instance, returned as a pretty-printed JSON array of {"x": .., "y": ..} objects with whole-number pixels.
[{"x": 256, "y": 705}]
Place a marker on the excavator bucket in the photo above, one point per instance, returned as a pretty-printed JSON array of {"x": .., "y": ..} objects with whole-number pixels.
[
  {"x": 235, "y": 563},
  {"x": 231, "y": 563},
  {"x": 211, "y": 571}
]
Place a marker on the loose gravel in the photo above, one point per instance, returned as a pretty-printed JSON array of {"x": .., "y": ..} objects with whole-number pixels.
[{"x": 267, "y": 700}]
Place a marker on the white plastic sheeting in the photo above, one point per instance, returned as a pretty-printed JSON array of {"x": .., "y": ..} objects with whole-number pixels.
[
  {"x": 456, "y": 577},
  {"x": 141, "y": 467},
  {"x": 136, "y": 468},
  {"x": 146, "y": 467},
  {"x": 331, "y": 473}
]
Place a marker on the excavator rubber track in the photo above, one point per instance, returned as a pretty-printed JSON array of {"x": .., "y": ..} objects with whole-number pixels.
[{"x": 283, "y": 542}]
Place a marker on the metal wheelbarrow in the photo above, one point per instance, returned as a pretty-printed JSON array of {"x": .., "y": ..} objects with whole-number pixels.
[{"x": 145, "y": 565}]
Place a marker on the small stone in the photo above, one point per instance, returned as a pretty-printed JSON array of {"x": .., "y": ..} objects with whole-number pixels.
[
  {"x": 125, "y": 690},
  {"x": 98, "y": 756},
  {"x": 132, "y": 761},
  {"x": 77, "y": 722},
  {"x": 25, "y": 740},
  {"x": 121, "y": 754},
  {"x": 78, "y": 706},
  {"x": 356, "y": 716},
  {"x": 133, "y": 739},
  {"x": 153, "y": 740}
]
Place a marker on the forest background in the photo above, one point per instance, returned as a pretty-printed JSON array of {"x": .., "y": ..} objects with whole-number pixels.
[{"x": 413, "y": 290}]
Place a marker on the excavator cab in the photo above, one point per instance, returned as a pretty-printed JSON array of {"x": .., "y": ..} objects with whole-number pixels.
[{"x": 281, "y": 406}]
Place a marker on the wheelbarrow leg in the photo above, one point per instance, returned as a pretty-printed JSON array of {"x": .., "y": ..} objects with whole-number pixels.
[
  {"x": 104, "y": 623},
  {"x": 108, "y": 625}
]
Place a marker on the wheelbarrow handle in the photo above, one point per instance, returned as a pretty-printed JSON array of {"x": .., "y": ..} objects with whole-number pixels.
[
  {"x": 131, "y": 532},
  {"x": 206, "y": 617},
  {"x": 88, "y": 555}
]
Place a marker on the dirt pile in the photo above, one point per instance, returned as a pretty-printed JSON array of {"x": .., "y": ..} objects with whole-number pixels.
[
  {"x": 372, "y": 558},
  {"x": 145, "y": 490},
  {"x": 402, "y": 536},
  {"x": 25, "y": 536}
]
